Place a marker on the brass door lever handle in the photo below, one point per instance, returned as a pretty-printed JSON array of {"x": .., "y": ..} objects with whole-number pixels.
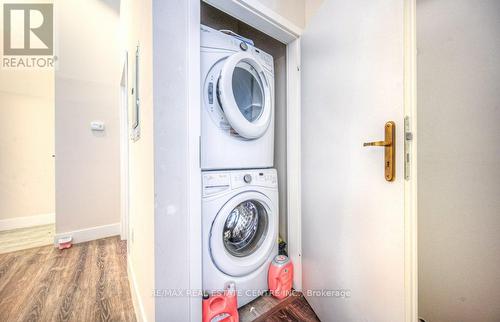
[
  {"x": 390, "y": 150},
  {"x": 377, "y": 143}
]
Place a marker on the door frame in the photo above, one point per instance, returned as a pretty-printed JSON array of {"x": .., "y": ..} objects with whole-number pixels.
[
  {"x": 410, "y": 184},
  {"x": 124, "y": 151},
  {"x": 262, "y": 18}
]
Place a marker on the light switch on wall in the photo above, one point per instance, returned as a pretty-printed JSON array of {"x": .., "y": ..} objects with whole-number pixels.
[{"x": 97, "y": 126}]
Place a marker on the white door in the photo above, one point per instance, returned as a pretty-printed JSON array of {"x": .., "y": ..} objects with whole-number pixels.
[{"x": 352, "y": 218}]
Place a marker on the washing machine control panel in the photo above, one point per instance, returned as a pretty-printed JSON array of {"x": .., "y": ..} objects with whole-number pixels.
[
  {"x": 262, "y": 178},
  {"x": 217, "y": 182}
]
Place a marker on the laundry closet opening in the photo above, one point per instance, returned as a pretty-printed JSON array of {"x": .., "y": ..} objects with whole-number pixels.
[{"x": 219, "y": 20}]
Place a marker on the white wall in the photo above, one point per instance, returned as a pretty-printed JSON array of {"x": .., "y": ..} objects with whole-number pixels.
[
  {"x": 297, "y": 11},
  {"x": 27, "y": 177},
  {"x": 136, "y": 23},
  {"x": 27, "y": 144},
  {"x": 311, "y": 7},
  {"x": 86, "y": 89},
  {"x": 459, "y": 160},
  {"x": 165, "y": 224},
  {"x": 292, "y": 10},
  {"x": 177, "y": 172}
]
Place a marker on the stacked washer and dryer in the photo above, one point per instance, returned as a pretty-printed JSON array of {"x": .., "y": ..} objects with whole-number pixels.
[{"x": 240, "y": 188}]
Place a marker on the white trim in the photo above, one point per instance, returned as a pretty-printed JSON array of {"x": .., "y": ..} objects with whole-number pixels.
[
  {"x": 124, "y": 151},
  {"x": 27, "y": 221},
  {"x": 136, "y": 298},
  {"x": 410, "y": 186},
  {"x": 293, "y": 160},
  {"x": 193, "y": 151},
  {"x": 93, "y": 233},
  {"x": 259, "y": 16}
]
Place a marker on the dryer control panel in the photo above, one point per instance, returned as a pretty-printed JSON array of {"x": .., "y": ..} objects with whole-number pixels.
[
  {"x": 264, "y": 58},
  {"x": 212, "y": 39},
  {"x": 218, "y": 182}
]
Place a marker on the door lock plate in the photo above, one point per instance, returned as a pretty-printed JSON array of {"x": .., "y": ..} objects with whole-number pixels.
[{"x": 408, "y": 140}]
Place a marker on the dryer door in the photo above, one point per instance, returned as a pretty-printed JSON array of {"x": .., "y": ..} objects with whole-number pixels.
[
  {"x": 245, "y": 95},
  {"x": 243, "y": 234}
]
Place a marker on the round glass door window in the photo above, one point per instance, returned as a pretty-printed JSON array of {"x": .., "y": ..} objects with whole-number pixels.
[
  {"x": 245, "y": 228},
  {"x": 248, "y": 91}
]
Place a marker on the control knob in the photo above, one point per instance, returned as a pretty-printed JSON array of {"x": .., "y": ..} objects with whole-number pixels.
[{"x": 247, "y": 178}]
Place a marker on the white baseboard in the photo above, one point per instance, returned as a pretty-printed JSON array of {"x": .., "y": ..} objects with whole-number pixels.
[
  {"x": 88, "y": 234},
  {"x": 28, "y": 221},
  {"x": 134, "y": 292}
]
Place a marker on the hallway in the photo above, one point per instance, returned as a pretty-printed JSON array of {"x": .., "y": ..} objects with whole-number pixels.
[{"x": 87, "y": 282}]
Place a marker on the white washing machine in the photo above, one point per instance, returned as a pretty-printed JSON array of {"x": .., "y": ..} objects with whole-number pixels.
[
  {"x": 237, "y": 118},
  {"x": 240, "y": 230}
]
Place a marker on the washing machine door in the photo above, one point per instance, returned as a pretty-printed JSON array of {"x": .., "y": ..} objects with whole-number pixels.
[
  {"x": 243, "y": 234},
  {"x": 245, "y": 95}
]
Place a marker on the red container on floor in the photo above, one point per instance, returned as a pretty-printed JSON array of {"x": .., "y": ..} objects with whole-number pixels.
[
  {"x": 221, "y": 307},
  {"x": 280, "y": 276}
]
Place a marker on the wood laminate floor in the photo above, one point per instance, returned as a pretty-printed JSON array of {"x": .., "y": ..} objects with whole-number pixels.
[
  {"x": 87, "y": 282},
  {"x": 269, "y": 309},
  {"x": 25, "y": 238}
]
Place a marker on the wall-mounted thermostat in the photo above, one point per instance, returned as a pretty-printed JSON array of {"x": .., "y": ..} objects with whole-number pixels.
[{"x": 97, "y": 126}]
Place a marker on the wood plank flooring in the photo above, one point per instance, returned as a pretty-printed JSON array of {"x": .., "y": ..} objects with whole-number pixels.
[
  {"x": 293, "y": 308},
  {"x": 87, "y": 282},
  {"x": 25, "y": 238}
]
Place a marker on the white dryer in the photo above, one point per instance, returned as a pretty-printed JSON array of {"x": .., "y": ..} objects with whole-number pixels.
[
  {"x": 240, "y": 230},
  {"x": 237, "y": 117}
]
